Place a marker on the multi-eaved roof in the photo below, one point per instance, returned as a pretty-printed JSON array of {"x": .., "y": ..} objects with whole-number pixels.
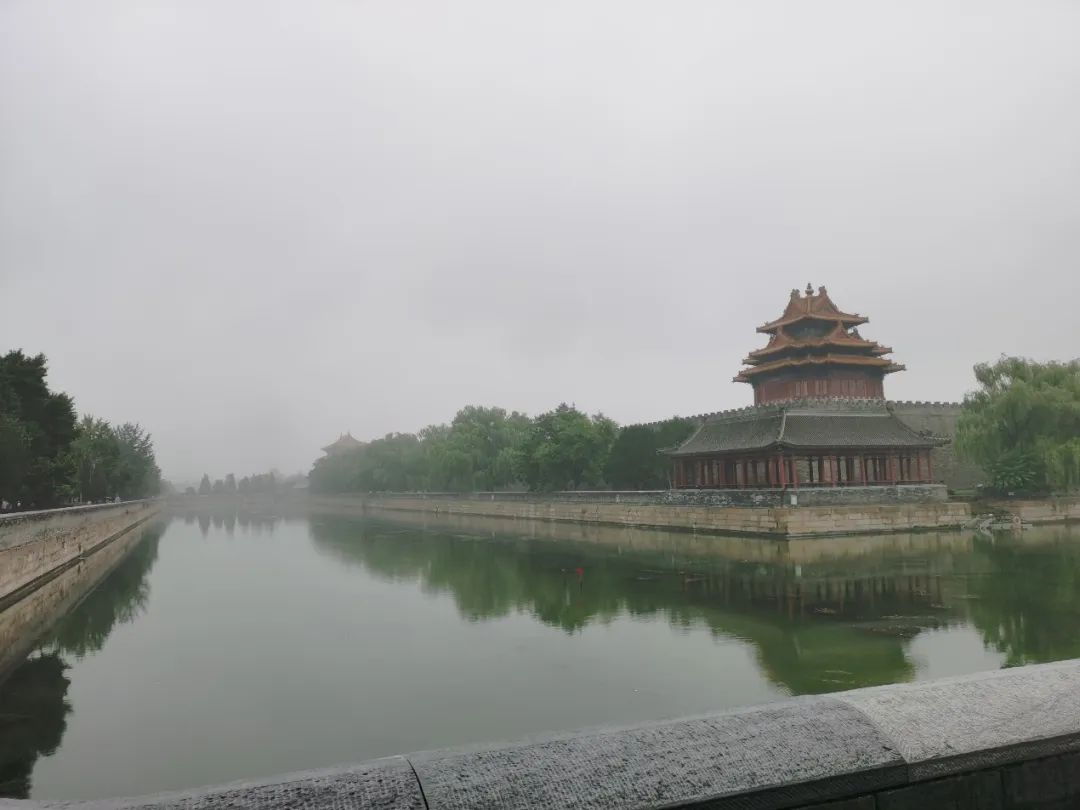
[{"x": 814, "y": 332}]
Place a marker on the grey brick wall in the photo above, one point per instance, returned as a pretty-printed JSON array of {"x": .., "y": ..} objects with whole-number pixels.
[{"x": 939, "y": 419}]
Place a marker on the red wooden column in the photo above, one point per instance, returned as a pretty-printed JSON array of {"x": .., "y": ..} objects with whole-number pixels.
[
  {"x": 721, "y": 473},
  {"x": 795, "y": 471},
  {"x": 781, "y": 478},
  {"x": 930, "y": 466}
]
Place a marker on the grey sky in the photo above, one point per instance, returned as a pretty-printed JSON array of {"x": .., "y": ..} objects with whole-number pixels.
[{"x": 254, "y": 225}]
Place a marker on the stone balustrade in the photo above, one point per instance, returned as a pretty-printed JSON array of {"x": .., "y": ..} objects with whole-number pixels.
[{"x": 1008, "y": 739}]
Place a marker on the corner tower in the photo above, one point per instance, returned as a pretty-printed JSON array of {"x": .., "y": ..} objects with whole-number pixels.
[{"x": 815, "y": 351}]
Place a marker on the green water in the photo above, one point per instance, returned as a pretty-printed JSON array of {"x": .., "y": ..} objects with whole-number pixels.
[{"x": 230, "y": 647}]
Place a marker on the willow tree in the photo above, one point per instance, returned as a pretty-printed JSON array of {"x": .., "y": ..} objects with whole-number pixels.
[{"x": 1023, "y": 424}]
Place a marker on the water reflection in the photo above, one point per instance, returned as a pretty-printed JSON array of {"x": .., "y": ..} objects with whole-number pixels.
[
  {"x": 228, "y": 514},
  {"x": 823, "y": 615},
  {"x": 33, "y": 717},
  {"x": 33, "y": 692},
  {"x": 1026, "y": 605}
]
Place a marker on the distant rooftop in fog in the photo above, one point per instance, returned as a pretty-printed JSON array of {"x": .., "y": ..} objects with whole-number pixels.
[{"x": 345, "y": 442}]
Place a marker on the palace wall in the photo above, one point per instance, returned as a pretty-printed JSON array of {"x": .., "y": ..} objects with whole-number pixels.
[{"x": 939, "y": 419}]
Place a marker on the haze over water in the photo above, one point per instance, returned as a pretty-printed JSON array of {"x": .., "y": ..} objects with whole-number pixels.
[{"x": 229, "y": 646}]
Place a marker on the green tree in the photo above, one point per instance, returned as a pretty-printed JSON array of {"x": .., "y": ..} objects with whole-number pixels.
[
  {"x": 478, "y": 451},
  {"x": 95, "y": 455},
  {"x": 204, "y": 485},
  {"x": 1023, "y": 424},
  {"x": 36, "y": 428},
  {"x": 230, "y": 484},
  {"x": 636, "y": 462},
  {"x": 565, "y": 449},
  {"x": 136, "y": 474},
  {"x": 14, "y": 456}
]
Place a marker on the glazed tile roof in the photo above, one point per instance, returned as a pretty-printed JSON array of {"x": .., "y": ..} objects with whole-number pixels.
[
  {"x": 780, "y": 341},
  {"x": 792, "y": 427},
  {"x": 886, "y": 365}
]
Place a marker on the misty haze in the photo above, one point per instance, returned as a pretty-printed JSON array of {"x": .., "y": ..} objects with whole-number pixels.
[{"x": 384, "y": 377}]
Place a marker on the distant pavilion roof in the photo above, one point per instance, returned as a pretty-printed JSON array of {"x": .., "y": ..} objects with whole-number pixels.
[
  {"x": 807, "y": 424},
  {"x": 344, "y": 442}
]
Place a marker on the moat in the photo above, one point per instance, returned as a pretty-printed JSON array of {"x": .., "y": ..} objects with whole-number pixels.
[{"x": 236, "y": 645}]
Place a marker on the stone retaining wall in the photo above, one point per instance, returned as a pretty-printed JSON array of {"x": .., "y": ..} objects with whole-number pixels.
[
  {"x": 23, "y": 623},
  {"x": 771, "y": 551},
  {"x": 801, "y": 521},
  {"x": 1048, "y": 510},
  {"x": 807, "y": 496},
  {"x": 35, "y": 544},
  {"x": 1008, "y": 739}
]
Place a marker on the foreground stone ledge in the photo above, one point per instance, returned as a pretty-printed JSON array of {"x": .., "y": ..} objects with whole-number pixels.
[
  {"x": 1005, "y": 739},
  {"x": 382, "y": 784}
]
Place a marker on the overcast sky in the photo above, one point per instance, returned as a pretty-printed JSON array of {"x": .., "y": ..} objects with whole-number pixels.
[{"x": 251, "y": 226}]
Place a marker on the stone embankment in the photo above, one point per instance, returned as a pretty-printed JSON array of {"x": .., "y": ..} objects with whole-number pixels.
[
  {"x": 23, "y": 623},
  {"x": 37, "y": 545},
  {"x": 1045, "y": 510},
  {"x": 1008, "y": 739},
  {"x": 655, "y": 510}
]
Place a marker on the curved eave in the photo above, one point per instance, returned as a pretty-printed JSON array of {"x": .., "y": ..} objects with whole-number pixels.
[
  {"x": 840, "y": 317},
  {"x": 868, "y": 346},
  {"x": 880, "y": 363}
]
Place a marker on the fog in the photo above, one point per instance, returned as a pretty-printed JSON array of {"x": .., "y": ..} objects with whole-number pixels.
[{"x": 252, "y": 226}]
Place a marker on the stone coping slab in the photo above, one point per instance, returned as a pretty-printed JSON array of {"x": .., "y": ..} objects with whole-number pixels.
[
  {"x": 44, "y": 514},
  {"x": 805, "y": 751},
  {"x": 978, "y": 721},
  {"x": 780, "y": 754}
]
